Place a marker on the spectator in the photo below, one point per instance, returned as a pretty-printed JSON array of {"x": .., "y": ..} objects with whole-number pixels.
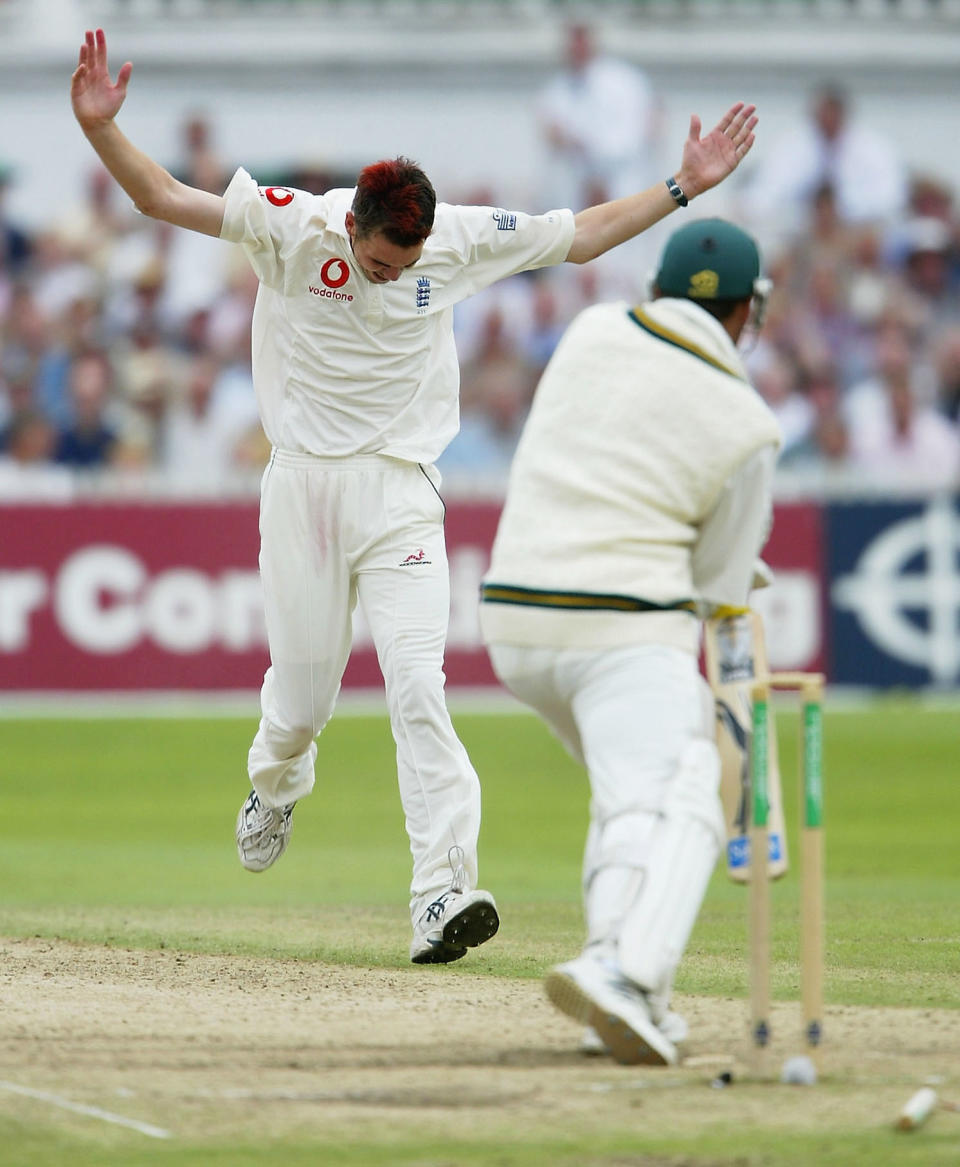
[
  {"x": 947, "y": 366},
  {"x": 203, "y": 431},
  {"x": 60, "y": 274},
  {"x": 77, "y": 330},
  {"x": 15, "y": 243},
  {"x": 201, "y": 164},
  {"x": 28, "y": 439},
  {"x": 829, "y": 317},
  {"x": 25, "y": 336},
  {"x": 927, "y": 257},
  {"x": 495, "y": 395},
  {"x": 826, "y": 445},
  {"x": 16, "y": 400},
  {"x": 26, "y": 471},
  {"x": 600, "y": 125},
  {"x": 148, "y": 371},
  {"x": 930, "y": 197},
  {"x": 89, "y": 441},
  {"x": 874, "y": 286},
  {"x": 896, "y": 438},
  {"x": 830, "y": 148},
  {"x": 228, "y": 327},
  {"x": 498, "y": 316},
  {"x": 93, "y": 228},
  {"x": 137, "y": 309},
  {"x": 547, "y": 325},
  {"x": 195, "y": 274},
  {"x": 776, "y": 379},
  {"x": 598, "y": 120}
]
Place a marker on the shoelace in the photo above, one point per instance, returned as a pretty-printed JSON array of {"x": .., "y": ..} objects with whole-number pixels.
[
  {"x": 434, "y": 912},
  {"x": 455, "y": 858},
  {"x": 270, "y": 825}
]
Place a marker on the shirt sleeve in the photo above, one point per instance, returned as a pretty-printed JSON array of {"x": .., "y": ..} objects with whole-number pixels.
[
  {"x": 271, "y": 224},
  {"x": 499, "y": 243},
  {"x": 733, "y": 535}
]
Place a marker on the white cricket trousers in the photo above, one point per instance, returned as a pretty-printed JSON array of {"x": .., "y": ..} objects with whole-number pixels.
[
  {"x": 631, "y": 716},
  {"x": 368, "y": 528}
]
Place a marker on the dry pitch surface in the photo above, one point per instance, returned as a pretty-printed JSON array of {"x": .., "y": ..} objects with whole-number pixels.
[{"x": 211, "y": 1047}]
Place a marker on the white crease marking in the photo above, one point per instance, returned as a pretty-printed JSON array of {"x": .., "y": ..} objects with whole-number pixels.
[{"x": 153, "y": 1132}]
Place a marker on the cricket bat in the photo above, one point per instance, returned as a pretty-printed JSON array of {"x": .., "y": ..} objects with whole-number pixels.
[{"x": 735, "y": 656}]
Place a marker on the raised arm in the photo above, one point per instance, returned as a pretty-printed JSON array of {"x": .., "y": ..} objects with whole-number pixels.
[
  {"x": 96, "y": 102},
  {"x": 706, "y": 162}
]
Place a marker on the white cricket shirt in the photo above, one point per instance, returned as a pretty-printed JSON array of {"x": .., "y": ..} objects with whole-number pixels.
[
  {"x": 643, "y": 474},
  {"x": 343, "y": 366}
]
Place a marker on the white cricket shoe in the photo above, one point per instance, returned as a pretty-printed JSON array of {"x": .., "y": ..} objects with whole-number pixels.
[
  {"x": 598, "y": 995},
  {"x": 672, "y": 1025},
  {"x": 262, "y": 832},
  {"x": 454, "y": 922},
  {"x": 592, "y": 1044}
]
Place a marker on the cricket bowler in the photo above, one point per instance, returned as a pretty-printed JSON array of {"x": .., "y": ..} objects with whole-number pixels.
[{"x": 357, "y": 382}]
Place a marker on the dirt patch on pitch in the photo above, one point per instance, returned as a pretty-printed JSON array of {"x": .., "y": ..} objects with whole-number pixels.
[{"x": 212, "y": 1047}]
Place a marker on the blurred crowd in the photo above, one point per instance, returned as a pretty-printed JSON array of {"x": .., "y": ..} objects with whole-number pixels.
[
  {"x": 859, "y": 351},
  {"x": 124, "y": 344}
]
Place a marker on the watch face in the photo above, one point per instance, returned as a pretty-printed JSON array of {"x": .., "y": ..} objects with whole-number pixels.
[{"x": 674, "y": 188}]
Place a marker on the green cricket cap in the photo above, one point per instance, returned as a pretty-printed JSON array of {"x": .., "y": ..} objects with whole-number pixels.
[{"x": 709, "y": 259}]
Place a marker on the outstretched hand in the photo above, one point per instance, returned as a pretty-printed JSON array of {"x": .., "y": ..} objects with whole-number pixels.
[
  {"x": 707, "y": 161},
  {"x": 95, "y": 98}
]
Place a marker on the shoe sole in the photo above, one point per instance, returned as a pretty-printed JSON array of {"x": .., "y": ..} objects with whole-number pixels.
[
  {"x": 626, "y": 1045},
  {"x": 472, "y": 926}
]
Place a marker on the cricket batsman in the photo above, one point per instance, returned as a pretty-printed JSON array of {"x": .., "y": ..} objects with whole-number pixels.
[{"x": 638, "y": 502}]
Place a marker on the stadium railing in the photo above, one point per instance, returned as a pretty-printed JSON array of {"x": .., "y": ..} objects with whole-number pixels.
[{"x": 521, "y": 11}]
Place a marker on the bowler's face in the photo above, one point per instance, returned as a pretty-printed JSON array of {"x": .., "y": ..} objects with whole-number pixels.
[{"x": 381, "y": 261}]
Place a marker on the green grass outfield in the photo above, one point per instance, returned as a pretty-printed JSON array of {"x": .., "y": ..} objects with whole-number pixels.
[{"x": 120, "y": 831}]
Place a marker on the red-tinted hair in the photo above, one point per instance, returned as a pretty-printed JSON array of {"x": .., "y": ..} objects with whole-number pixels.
[{"x": 396, "y": 198}]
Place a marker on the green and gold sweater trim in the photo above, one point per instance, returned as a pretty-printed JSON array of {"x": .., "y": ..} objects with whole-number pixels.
[
  {"x": 576, "y": 601},
  {"x": 638, "y": 316}
]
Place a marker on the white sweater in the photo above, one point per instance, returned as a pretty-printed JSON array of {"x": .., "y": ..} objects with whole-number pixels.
[{"x": 642, "y": 425}]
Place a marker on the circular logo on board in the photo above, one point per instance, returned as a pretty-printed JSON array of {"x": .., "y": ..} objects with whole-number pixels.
[{"x": 904, "y": 590}]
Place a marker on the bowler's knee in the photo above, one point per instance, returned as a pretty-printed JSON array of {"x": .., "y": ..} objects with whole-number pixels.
[{"x": 286, "y": 741}]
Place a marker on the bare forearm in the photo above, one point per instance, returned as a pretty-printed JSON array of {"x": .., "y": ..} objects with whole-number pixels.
[
  {"x": 706, "y": 161},
  {"x": 153, "y": 190},
  {"x": 607, "y": 225}
]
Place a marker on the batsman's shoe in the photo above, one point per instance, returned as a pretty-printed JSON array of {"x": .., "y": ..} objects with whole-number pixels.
[
  {"x": 672, "y": 1025},
  {"x": 263, "y": 832},
  {"x": 454, "y": 922},
  {"x": 597, "y": 995},
  {"x": 592, "y": 1044}
]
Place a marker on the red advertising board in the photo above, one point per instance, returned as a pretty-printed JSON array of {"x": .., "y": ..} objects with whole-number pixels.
[
  {"x": 121, "y": 596},
  {"x": 794, "y": 608},
  {"x": 166, "y": 596}
]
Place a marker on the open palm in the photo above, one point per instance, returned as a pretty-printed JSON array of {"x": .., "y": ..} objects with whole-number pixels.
[
  {"x": 713, "y": 157},
  {"x": 94, "y": 96}
]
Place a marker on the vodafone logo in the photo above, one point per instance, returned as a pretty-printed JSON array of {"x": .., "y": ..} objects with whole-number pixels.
[
  {"x": 280, "y": 196},
  {"x": 335, "y": 273}
]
